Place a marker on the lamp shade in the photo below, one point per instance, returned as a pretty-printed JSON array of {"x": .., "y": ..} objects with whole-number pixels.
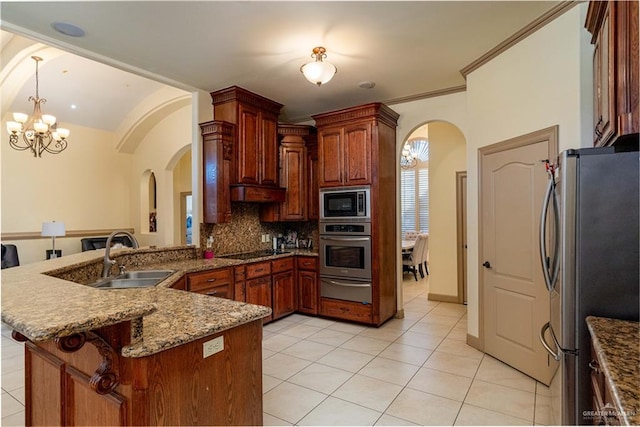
[
  {"x": 318, "y": 72},
  {"x": 53, "y": 229}
]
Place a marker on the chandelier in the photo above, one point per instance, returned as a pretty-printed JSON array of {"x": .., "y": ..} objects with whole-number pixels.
[
  {"x": 40, "y": 132},
  {"x": 319, "y": 71},
  {"x": 409, "y": 158}
]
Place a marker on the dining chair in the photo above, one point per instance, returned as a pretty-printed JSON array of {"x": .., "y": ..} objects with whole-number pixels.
[
  {"x": 414, "y": 261},
  {"x": 425, "y": 255}
]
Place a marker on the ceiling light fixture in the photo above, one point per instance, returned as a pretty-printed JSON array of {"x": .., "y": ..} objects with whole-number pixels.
[
  {"x": 38, "y": 132},
  {"x": 409, "y": 157},
  {"x": 319, "y": 71}
]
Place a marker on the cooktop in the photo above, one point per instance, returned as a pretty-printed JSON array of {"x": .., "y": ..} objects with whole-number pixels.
[{"x": 251, "y": 255}]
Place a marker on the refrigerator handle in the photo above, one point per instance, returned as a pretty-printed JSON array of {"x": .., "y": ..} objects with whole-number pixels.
[
  {"x": 555, "y": 354},
  {"x": 555, "y": 265},
  {"x": 543, "y": 228}
]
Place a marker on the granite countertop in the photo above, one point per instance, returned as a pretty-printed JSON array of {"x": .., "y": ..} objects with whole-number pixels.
[
  {"x": 617, "y": 344},
  {"x": 43, "y": 307}
]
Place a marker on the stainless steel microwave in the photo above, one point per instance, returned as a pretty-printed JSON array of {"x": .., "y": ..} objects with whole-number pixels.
[{"x": 345, "y": 203}]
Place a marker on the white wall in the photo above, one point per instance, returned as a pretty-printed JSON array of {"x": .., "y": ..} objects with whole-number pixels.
[
  {"x": 181, "y": 184},
  {"x": 159, "y": 151},
  {"x": 542, "y": 81},
  {"x": 87, "y": 186},
  {"x": 447, "y": 155}
]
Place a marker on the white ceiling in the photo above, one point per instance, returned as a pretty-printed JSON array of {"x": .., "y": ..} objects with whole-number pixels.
[{"x": 407, "y": 48}]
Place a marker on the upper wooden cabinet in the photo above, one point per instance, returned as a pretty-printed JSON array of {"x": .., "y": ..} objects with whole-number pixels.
[
  {"x": 614, "y": 29},
  {"x": 217, "y": 147},
  {"x": 254, "y": 162},
  {"x": 345, "y": 143},
  {"x": 295, "y": 176}
]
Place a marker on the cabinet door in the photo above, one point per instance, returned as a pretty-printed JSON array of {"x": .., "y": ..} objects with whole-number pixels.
[
  {"x": 293, "y": 177},
  {"x": 357, "y": 154},
  {"x": 284, "y": 295},
  {"x": 239, "y": 284},
  {"x": 331, "y": 154},
  {"x": 313, "y": 194},
  {"x": 604, "y": 75},
  {"x": 248, "y": 146},
  {"x": 268, "y": 154},
  {"x": 308, "y": 292},
  {"x": 258, "y": 291}
]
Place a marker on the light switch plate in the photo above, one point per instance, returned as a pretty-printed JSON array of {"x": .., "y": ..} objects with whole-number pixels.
[{"x": 214, "y": 346}]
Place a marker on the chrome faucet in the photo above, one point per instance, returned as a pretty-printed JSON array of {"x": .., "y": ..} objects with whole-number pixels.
[{"x": 108, "y": 262}]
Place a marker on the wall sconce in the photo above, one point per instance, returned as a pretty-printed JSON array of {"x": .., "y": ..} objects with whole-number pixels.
[{"x": 53, "y": 230}]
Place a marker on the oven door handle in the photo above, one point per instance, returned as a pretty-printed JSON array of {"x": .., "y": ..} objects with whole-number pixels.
[
  {"x": 346, "y": 239},
  {"x": 350, "y": 285}
]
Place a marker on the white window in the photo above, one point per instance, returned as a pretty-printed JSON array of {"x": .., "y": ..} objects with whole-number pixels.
[{"x": 414, "y": 187}]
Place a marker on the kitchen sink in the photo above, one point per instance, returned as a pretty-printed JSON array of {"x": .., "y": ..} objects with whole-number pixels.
[{"x": 134, "y": 279}]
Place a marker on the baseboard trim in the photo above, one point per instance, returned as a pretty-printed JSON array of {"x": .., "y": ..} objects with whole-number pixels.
[
  {"x": 475, "y": 342},
  {"x": 399, "y": 314},
  {"x": 443, "y": 298}
]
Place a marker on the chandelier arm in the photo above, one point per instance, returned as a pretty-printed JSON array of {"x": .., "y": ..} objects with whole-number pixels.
[{"x": 59, "y": 146}]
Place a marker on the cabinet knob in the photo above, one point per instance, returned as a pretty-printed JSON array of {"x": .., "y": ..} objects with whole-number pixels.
[{"x": 211, "y": 280}]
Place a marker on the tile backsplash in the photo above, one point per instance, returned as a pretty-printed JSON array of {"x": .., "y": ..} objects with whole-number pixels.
[{"x": 244, "y": 232}]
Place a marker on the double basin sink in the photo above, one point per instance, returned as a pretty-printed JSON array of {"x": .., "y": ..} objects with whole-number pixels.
[{"x": 133, "y": 279}]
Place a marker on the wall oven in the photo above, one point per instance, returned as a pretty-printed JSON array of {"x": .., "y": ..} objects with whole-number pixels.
[
  {"x": 345, "y": 261},
  {"x": 345, "y": 203}
]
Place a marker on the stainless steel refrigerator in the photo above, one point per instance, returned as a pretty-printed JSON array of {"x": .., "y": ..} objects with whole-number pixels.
[{"x": 590, "y": 258}]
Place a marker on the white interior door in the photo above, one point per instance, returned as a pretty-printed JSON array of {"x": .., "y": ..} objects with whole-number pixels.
[{"x": 516, "y": 301}]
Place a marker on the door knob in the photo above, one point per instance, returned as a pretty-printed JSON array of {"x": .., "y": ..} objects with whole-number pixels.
[{"x": 486, "y": 264}]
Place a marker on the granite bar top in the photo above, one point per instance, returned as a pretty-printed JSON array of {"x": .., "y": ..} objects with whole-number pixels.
[
  {"x": 51, "y": 299},
  {"x": 617, "y": 344}
]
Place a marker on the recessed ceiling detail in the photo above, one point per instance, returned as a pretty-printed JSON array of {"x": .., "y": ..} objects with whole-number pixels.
[{"x": 68, "y": 29}]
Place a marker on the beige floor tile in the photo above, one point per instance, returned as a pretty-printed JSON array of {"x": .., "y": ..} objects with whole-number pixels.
[
  {"x": 269, "y": 382},
  {"x": 385, "y": 334},
  {"x": 322, "y": 378},
  {"x": 404, "y": 323},
  {"x": 270, "y": 420},
  {"x": 367, "y": 345},
  {"x": 542, "y": 413},
  {"x": 331, "y": 337},
  {"x": 406, "y": 353},
  {"x": 267, "y": 353},
  {"x": 427, "y": 342},
  {"x": 498, "y": 398},
  {"x": 278, "y": 325},
  {"x": 14, "y": 420},
  {"x": 308, "y": 350},
  {"x": 424, "y": 408},
  {"x": 347, "y": 360},
  {"x": 279, "y": 342},
  {"x": 388, "y": 420},
  {"x": 452, "y": 364},
  {"x": 12, "y": 364},
  {"x": 441, "y": 384},
  {"x": 291, "y": 402},
  {"x": 283, "y": 366},
  {"x": 412, "y": 315},
  {"x": 438, "y": 319},
  {"x": 300, "y": 330},
  {"x": 319, "y": 322},
  {"x": 337, "y": 412},
  {"x": 368, "y": 392},
  {"x": 432, "y": 329},
  {"x": 18, "y": 394},
  {"x": 450, "y": 309},
  {"x": 388, "y": 370},
  {"x": 13, "y": 380},
  {"x": 298, "y": 318},
  {"x": 494, "y": 371},
  {"x": 459, "y": 334},
  {"x": 473, "y": 416},
  {"x": 349, "y": 328},
  {"x": 459, "y": 348},
  {"x": 10, "y": 405}
]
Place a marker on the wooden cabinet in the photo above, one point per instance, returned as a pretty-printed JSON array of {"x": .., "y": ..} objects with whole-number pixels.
[
  {"x": 357, "y": 146},
  {"x": 254, "y": 161},
  {"x": 180, "y": 284},
  {"x": 239, "y": 283},
  {"x": 258, "y": 286},
  {"x": 307, "y": 275},
  {"x": 603, "y": 405},
  {"x": 284, "y": 292},
  {"x": 217, "y": 145},
  {"x": 345, "y": 155},
  {"x": 218, "y": 283},
  {"x": 295, "y": 176},
  {"x": 83, "y": 379},
  {"x": 616, "y": 83},
  {"x": 313, "y": 194}
]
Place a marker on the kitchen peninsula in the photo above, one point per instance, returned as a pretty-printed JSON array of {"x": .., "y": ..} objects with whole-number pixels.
[{"x": 149, "y": 356}]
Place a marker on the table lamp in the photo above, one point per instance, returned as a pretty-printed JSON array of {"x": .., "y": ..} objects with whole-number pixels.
[{"x": 53, "y": 229}]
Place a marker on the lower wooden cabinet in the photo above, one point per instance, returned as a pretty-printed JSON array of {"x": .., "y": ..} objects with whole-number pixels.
[
  {"x": 284, "y": 295},
  {"x": 346, "y": 310},
  {"x": 601, "y": 395},
  {"x": 217, "y": 283},
  {"x": 258, "y": 291},
  {"x": 307, "y": 285},
  {"x": 239, "y": 283}
]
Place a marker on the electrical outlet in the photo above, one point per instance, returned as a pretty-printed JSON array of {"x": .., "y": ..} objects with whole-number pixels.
[{"x": 214, "y": 346}]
